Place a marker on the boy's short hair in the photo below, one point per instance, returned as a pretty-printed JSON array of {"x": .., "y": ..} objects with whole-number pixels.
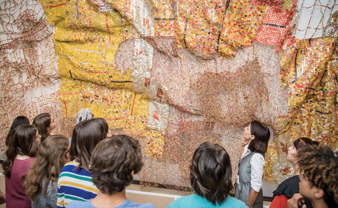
[
  {"x": 211, "y": 172},
  {"x": 113, "y": 161}
]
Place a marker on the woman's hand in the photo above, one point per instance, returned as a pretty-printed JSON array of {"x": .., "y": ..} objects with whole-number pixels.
[{"x": 295, "y": 201}]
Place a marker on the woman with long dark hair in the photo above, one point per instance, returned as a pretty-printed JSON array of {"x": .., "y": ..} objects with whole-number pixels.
[
  {"x": 75, "y": 179},
  {"x": 250, "y": 170},
  {"x": 17, "y": 122},
  {"x": 44, "y": 123},
  {"x": 19, "y": 155}
]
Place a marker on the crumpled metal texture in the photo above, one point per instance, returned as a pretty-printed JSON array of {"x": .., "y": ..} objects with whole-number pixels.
[{"x": 29, "y": 79}]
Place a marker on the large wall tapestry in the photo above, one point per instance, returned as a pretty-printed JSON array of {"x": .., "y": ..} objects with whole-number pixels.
[
  {"x": 176, "y": 73},
  {"x": 29, "y": 79}
]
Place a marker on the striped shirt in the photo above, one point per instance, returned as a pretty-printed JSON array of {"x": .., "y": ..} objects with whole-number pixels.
[{"x": 75, "y": 185}]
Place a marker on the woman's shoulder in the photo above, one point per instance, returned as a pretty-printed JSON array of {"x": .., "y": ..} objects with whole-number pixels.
[
  {"x": 24, "y": 160},
  {"x": 194, "y": 199},
  {"x": 185, "y": 201},
  {"x": 288, "y": 187},
  {"x": 71, "y": 169},
  {"x": 232, "y": 201},
  {"x": 82, "y": 204},
  {"x": 22, "y": 164},
  {"x": 71, "y": 166},
  {"x": 257, "y": 157},
  {"x": 290, "y": 181}
]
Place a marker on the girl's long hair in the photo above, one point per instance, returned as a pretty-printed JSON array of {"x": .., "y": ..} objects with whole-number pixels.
[
  {"x": 42, "y": 122},
  {"x": 17, "y": 122},
  {"x": 86, "y": 135},
  {"x": 46, "y": 166},
  {"x": 23, "y": 142}
]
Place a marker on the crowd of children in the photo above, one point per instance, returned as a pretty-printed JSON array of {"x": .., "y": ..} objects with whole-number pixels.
[{"x": 93, "y": 169}]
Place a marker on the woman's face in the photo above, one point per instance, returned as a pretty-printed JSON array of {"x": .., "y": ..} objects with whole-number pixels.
[
  {"x": 38, "y": 138},
  {"x": 247, "y": 133},
  {"x": 53, "y": 123},
  {"x": 306, "y": 189},
  {"x": 292, "y": 154}
]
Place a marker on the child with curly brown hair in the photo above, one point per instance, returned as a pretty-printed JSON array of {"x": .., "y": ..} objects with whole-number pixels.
[
  {"x": 113, "y": 163},
  {"x": 318, "y": 177}
]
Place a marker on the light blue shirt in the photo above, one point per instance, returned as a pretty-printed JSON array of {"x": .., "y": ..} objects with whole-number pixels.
[
  {"x": 196, "y": 201},
  {"x": 126, "y": 204}
]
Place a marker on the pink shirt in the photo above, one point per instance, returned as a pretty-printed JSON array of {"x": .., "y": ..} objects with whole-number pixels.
[{"x": 15, "y": 194}]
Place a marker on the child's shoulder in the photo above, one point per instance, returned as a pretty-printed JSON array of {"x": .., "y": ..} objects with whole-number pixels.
[
  {"x": 75, "y": 204},
  {"x": 234, "y": 202},
  {"x": 135, "y": 205}
]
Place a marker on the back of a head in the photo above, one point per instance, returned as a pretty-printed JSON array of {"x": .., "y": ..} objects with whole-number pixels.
[
  {"x": 104, "y": 125},
  {"x": 46, "y": 166},
  {"x": 304, "y": 141},
  {"x": 211, "y": 172},
  {"x": 86, "y": 135},
  {"x": 23, "y": 142},
  {"x": 83, "y": 115},
  {"x": 51, "y": 151},
  {"x": 41, "y": 122},
  {"x": 262, "y": 136},
  {"x": 114, "y": 161},
  {"x": 17, "y": 122},
  {"x": 319, "y": 165}
]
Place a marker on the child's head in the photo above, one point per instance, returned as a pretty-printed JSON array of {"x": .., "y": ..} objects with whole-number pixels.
[
  {"x": 104, "y": 126},
  {"x": 211, "y": 172},
  {"x": 17, "y": 122},
  {"x": 83, "y": 115},
  {"x": 260, "y": 135},
  {"x": 86, "y": 135},
  {"x": 293, "y": 150},
  {"x": 318, "y": 167},
  {"x": 47, "y": 165},
  {"x": 114, "y": 162},
  {"x": 23, "y": 142},
  {"x": 53, "y": 153},
  {"x": 44, "y": 122}
]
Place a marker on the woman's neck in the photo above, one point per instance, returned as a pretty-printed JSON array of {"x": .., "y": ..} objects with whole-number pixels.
[
  {"x": 114, "y": 200},
  {"x": 296, "y": 168},
  {"x": 319, "y": 203},
  {"x": 21, "y": 157}
]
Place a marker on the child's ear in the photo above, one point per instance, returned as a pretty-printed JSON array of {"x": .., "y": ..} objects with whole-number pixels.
[
  {"x": 252, "y": 137},
  {"x": 132, "y": 173},
  {"x": 319, "y": 193}
]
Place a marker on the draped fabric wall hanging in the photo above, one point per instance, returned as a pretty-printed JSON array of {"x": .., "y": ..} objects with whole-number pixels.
[{"x": 176, "y": 73}]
